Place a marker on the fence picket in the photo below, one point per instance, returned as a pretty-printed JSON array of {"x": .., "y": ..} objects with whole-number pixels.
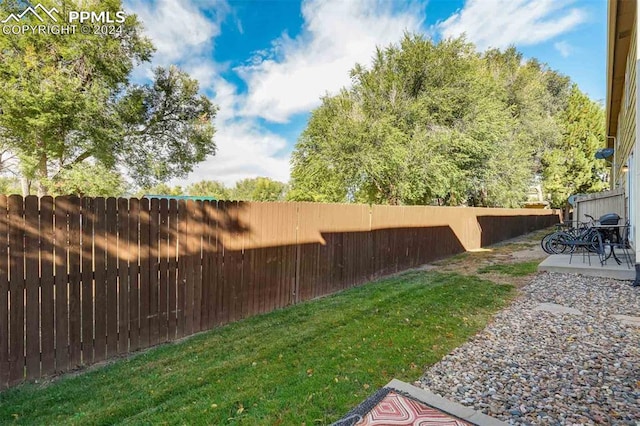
[
  {"x": 145, "y": 263},
  {"x": 153, "y": 271},
  {"x": 32, "y": 284},
  {"x": 124, "y": 255},
  {"x": 216, "y": 264},
  {"x": 207, "y": 252},
  {"x": 4, "y": 294},
  {"x": 75, "y": 338},
  {"x": 196, "y": 238},
  {"x": 112, "y": 277},
  {"x": 172, "y": 266},
  {"x": 182, "y": 267},
  {"x": 61, "y": 279},
  {"x": 190, "y": 266},
  {"x": 47, "y": 319},
  {"x": 88, "y": 294},
  {"x": 100, "y": 245},
  {"x": 134, "y": 277},
  {"x": 163, "y": 254},
  {"x": 16, "y": 288}
]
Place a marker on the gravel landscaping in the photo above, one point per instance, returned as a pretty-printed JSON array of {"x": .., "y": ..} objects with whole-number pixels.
[{"x": 566, "y": 352}]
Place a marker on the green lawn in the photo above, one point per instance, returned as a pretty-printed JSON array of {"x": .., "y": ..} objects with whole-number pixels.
[
  {"x": 520, "y": 269},
  {"x": 307, "y": 364}
]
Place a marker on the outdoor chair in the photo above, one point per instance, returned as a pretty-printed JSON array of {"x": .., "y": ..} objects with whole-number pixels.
[
  {"x": 622, "y": 243},
  {"x": 588, "y": 245}
]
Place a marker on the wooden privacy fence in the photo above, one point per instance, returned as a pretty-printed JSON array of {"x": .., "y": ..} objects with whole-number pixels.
[
  {"x": 601, "y": 203},
  {"x": 83, "y": 280}
]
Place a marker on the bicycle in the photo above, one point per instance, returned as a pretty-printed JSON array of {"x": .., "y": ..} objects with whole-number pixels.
[
  {"x": 586, "y": 235},
  {"x": 555, "y": 242}
]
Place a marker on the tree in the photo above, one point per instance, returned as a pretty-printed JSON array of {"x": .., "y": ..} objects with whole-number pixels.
[
  {"x": 167, "y": 127},
  {"x": 86, "y": 179},
  {"x": 258, "y": 189},
  {"x": 571, "y": 166},
  {"x": 427, "y": 123},
  {"x": 432, "y": 123},
  {"x": 9, "y": 185},
  {"x": 210, "y": 188},
  {"x": 67, "y": 98},
  {"x": 160, "y": 189}
]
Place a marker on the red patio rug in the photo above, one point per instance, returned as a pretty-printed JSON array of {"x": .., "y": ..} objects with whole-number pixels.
[{"x": 392, "y": 407}]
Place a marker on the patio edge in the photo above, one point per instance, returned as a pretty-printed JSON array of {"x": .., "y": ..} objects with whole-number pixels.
[
  {"x": 465, "y": 413},
  {"x": 560, "y": 263}
]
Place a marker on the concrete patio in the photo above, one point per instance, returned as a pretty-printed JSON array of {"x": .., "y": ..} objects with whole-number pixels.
[{"x": 580, "y": 265}]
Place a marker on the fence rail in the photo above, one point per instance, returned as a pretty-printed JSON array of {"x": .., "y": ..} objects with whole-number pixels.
[{"x": 83, "y": 280}]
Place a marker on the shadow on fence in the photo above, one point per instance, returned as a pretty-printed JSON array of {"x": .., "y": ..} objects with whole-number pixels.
[
  {"x": 83, "y": 280},
  {"x": 499, "y": 228}
]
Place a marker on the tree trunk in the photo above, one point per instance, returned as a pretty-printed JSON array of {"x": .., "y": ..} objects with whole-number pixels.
[
  {"x": 43, "y": 174},
  {"x": 25, "y": 184}
]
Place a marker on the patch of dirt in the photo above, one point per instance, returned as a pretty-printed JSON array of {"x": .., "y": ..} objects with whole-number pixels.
[{"x": 525, "y": 248}]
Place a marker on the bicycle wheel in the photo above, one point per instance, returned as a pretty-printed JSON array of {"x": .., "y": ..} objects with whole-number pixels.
[
  {"x": 593, "y": 241},
  {"x": 560, "y": 243},
  {"x": 545, "y": 240}
]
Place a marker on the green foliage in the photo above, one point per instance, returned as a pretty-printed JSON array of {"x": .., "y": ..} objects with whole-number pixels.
[
  {"x": 255, "y": 189},
  {"x": 160, "y": 189},
  {"x": 309, "y": 363},
  {"x": 67, "y": 98},
  {"x": 570, "y": 165},
  {"x": 86, "y": 179},
  {"x": 167, "y": 127},
  {"x": 431, "y": 123},
  {"x": 210, "y": 188},
  {"x": 258, "y": 189},
  {"x": 9, "y": 185}
]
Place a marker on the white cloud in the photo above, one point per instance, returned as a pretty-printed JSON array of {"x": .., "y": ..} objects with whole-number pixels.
[
  {"x": 182, "y": 35},
  {"x": 291, "y": 77},
  {"x": 563, "y": 47},
  {"x": 244, "y": 150},
  {"x": 179, "y": 28},
  {"x": 500, "y": 23}
]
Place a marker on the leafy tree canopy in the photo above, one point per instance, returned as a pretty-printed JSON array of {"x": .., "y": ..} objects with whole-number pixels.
[
  {"x": 9, "y": 185},
  {"x": 433, "y": 123},
  {"x": 67, "y": 98},
  {"x": 258, "y": 189},
  {"x": 160, "y": 189},
  {"x": 570, "y": 165},
  {"x": 210, "y": 188},
  {"x": 86, "y": 179},
  {"x": 251, "y": 189}
]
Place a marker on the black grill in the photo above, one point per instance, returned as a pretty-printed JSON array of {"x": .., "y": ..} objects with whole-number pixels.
[{"x": 609, "y": 219}]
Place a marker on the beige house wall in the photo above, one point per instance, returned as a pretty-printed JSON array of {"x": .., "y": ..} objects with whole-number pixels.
[
  {"x": 627, "y": 118},
  {"x": 622, "y": 113}
]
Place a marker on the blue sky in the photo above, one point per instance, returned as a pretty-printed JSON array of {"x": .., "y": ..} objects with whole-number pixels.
[{"x": 267, "y": 63}]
